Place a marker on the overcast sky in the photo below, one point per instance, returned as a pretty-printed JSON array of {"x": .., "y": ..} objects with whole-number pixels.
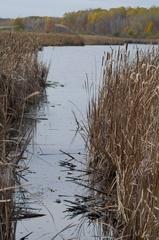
[{"x": 20, "y": 8}]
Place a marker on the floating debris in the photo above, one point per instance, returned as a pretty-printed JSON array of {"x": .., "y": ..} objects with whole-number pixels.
[{"x": 58, "y": 201}]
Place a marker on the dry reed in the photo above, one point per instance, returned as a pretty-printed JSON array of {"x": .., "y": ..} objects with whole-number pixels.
[
  {"x": 109, "y": 40},
  {"x": 44, "y": 39},
  {"x": 22, "y": 79},
  {"x": 123, "y": 146}
]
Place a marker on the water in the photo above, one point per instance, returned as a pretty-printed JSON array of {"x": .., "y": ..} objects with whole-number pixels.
[{"x": 70, "y": 67}]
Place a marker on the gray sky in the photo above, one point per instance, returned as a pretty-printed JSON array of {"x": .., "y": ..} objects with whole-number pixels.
[{"x": 20, "y": 8}]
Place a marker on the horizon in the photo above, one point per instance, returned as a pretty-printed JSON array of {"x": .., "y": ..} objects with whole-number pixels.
[{"x": 54, "y": 8}]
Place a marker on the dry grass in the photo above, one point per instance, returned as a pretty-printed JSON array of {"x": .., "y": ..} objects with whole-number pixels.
[
  {"x": 65, "y": 39},
  {"x": 22, "y": 79},
  {"x": 59, "y": 39},
  {"x": 106, "y": 40},
  {"x": 123, "y": 144},
  {"x": 43, "y": 39}
]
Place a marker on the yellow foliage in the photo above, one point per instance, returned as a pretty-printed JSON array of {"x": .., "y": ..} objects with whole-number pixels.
[{"x": 149, "y": 28}]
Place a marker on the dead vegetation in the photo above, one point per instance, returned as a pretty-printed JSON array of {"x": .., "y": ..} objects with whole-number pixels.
[
  {"x": 70, "y": 39},
  {"x": 44, "y": 39},
  {"x": 123, "y": 146},
  {"x": 22, "y": 80},
  {"x": 59, "y": 39},
  {"x": 109, "y": 40}
]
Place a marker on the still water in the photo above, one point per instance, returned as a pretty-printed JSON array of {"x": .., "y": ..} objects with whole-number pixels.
[{"x": 55, "y": 131}]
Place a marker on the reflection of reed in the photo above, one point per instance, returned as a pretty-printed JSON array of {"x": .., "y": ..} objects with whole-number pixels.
[{"x": 22, "y": 80}]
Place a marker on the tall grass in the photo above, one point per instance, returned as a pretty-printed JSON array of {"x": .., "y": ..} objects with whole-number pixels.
[
  {"x": 59, "y": 39},
  {"x": 46, "y": 39},
  {"x": 110, "y": 40},
  {"x": 123, "y": 145},
  {"x": 22, "y": 80}
]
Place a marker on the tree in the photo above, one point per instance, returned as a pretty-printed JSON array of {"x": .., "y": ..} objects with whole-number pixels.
[
  {"x": 49, "y": 25},
  {"x": 115, "y": 21},
  {"x": 149, "y": 27},
  {"x": 18, "y": 24}
]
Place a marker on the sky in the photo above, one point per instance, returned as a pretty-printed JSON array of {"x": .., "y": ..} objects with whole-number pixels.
[{"x": 21, "y": 8}]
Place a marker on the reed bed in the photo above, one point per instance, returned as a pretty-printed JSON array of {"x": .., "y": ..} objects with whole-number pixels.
[
  {"x": 123, "y": 147},
  {"x": 22, "y": 80},
  {"x": 109, "y": 40},
  {"x": 72, "y": 39},
  {"x": 59, "y": 39},
  {"x": 44, "y": 39}
]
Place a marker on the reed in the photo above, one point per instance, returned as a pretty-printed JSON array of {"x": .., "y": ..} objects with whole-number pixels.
[
  {"x": 110, "y": 40},
  {"x": 43, "y": 39},
  {"x": 72, "y": 39},
  {"x": 22, "y": 80},
  {"x": 123, "y": 146},
  {"x": 59, "y": 39}
]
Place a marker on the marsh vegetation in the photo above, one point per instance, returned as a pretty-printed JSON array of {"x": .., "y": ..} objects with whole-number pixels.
[
  {"x": 121, "y": 136},
  {"x": 122, "y": 143},
  {"x": 22, "y": 81}
]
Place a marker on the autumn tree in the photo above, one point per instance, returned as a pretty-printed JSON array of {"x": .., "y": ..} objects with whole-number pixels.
[
  {"x": 132, "y": 22},
  {"x": 18, "y": 24},
  {"x": 149, "y": 27},
  {"x": 49, "y": 25}
]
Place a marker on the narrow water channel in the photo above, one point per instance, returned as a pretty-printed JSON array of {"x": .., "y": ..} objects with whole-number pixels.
[{"x": 54, "y": 132}]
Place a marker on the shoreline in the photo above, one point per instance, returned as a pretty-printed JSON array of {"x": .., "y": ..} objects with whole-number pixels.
[
  {"x": 84, "y": 40},
  {"x": 63, "y": 39},
  {"x": 104, "y": 40}
]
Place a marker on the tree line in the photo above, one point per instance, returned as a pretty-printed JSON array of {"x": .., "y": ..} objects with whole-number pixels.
[
  {"x": 122, "y": 22},
  {"x": 116, "y": 21}
]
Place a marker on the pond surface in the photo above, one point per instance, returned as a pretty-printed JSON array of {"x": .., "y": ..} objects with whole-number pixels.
[{"x": 70, "y": 67}]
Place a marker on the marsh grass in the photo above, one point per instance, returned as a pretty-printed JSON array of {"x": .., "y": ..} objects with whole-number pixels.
[
  {"x": 59, "y": 39},
  {"x": 123, "y": 146},
  {"x": 41, "y": 39},
  {"x": 22, "y": 80},
  {"x": 110, "y": 40}
]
